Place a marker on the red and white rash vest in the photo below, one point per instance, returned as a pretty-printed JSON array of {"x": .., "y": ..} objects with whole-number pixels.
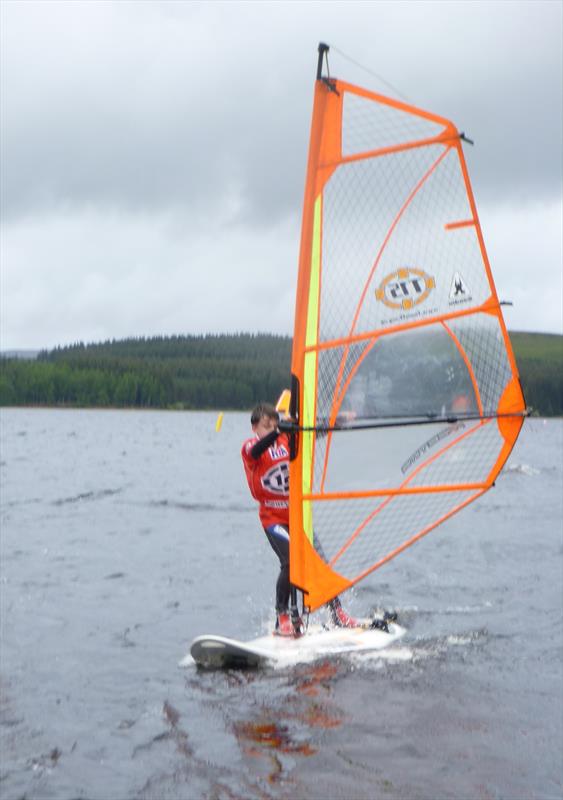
[{"x": 268, "y": 479}]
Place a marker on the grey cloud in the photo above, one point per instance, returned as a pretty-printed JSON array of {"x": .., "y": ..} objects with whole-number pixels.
[
  {"x": 145, "y": 131},
  {"x": 153, "y": 151},
  {"x": 166, "y": 112}
]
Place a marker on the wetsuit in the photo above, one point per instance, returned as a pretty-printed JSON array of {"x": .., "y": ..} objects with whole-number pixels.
[{"x": 266, "y": 464}]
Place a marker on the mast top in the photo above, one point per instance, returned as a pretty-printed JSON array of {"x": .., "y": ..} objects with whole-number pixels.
[{"x": 323, "y": 50}]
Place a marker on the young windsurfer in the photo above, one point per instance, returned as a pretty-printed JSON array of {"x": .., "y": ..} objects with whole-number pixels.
[{"x": 265, "y": 458}]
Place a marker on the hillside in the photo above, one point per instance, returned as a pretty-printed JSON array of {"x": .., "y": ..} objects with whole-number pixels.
[
  {"x": 192, "y": 372},
  {"x": 543, "y": 346},
  {"x": 214, "y": 371},
  {"x": 540, "y": 362}
]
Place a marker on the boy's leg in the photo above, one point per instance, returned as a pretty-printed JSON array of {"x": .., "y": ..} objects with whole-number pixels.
[
  {"x": 294, "y": 610},
  {"x": 339, "y": 617},
  {"x": 278, "y": 536}
]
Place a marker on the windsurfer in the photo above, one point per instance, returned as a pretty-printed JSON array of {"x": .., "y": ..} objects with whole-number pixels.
[{"x": 265, "y": 458}]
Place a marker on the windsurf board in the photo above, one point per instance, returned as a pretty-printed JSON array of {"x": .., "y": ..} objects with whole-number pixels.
[{"x": 220, "y": 652}]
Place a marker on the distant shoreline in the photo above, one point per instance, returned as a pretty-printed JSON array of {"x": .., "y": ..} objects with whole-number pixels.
[
  {"x": 211, "y": 411},
  {"x": 211, "y": 373},
  {"x": 33, "y": 352}
]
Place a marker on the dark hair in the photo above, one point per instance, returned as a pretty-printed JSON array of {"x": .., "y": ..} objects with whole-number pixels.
[{"x": 263, "y": 410}]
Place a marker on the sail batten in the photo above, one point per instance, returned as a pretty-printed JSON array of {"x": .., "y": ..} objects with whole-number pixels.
[
  {"x": 397, "y": 318},
  {"x": 331, "y": 496}
]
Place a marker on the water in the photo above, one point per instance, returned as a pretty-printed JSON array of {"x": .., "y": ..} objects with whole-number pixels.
[{"x": 126, "y": 534}]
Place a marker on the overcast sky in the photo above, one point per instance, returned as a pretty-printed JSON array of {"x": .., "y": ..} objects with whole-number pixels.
[{"x": 154, "y": 153}]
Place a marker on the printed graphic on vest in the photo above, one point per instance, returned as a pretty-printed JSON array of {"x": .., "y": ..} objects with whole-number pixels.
[{"x": 277, "y": 479}]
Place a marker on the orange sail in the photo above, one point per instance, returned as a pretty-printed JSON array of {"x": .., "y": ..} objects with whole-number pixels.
[{"x": 405, "y": 393}]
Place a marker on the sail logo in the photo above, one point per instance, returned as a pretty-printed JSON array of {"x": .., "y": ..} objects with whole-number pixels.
[
  {"x": 459, "y": 291},
  {"x": 405, "y": 288},
  {"x": 276, "y": 480},
  {"x": 429, "y": 444}
]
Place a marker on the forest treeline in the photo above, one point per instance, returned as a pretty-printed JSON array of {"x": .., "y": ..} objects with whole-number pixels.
[
  {"x": 190, "y": 372},
  {"x": 212, "y": 372}
]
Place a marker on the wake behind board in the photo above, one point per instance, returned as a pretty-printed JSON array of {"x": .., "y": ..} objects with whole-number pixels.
[{"x": 219, "y": 652}]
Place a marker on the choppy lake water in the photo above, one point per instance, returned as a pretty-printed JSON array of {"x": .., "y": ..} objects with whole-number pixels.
[{"x": 126, "y": 534}]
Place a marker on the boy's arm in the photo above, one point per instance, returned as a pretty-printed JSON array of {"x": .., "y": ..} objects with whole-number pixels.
[{"x": 262, "y": 444}]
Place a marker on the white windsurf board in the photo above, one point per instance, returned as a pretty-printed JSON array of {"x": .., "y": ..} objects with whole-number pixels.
[{"x": 221, "y": 652}]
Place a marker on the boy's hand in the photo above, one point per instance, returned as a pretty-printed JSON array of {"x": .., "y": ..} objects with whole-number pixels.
[{"x": 286, "y": 425}]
